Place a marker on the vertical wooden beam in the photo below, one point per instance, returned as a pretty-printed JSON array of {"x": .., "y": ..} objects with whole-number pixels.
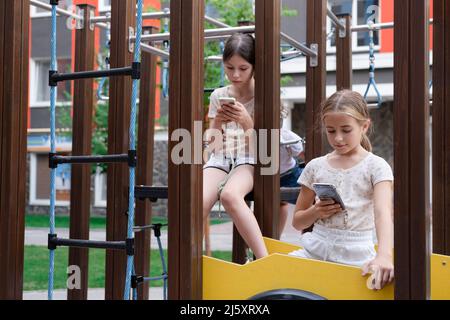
[
  {"x": 123, "y": 16},
  {"x": 441, "y": 128},
  {"x": 344, "y": 67},
  {"x": 80, "y": 189},
  {"x": 144, "y": 169},
  {"x": 14, "y": 56},
  {"x": 185, "y": 180},
  {"x": 267, "y": 113},
  {"x": 315, "y": 77},
  {"x": 411, "y": 136}
]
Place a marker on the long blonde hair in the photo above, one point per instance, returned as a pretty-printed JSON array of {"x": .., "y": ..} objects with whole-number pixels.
[{"x": 352, "y": 104}]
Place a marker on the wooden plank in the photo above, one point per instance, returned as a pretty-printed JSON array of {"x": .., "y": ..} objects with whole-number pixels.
[
  {"x": 315, "y": 77},
  {"x": 267, "y": 114},
  {"x": 14, "y": 20},
  {"x": 144, "y": 169},
  {"x": 441, "y": 125},
  {"x": 411, "y": 129},
  {"x": 185, "y": 180},
  {"x": 80, "y": 189},
  {"x": 123, "y": 16},
  {"x": 344, "y": 66}
]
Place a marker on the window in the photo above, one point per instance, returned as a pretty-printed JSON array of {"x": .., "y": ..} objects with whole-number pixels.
[
  {"x": 39, "y": 89},
  {"x": 104, "y": 5},
  {"x": 100, "y": 188},
  {"x": 40, "y": 181},
  {"x": 362, "y": 12}
]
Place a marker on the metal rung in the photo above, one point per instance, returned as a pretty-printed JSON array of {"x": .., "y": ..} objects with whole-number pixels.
[
  {"x": 54, "y": 242},
  {"x": 130, "y": 158},
  {"x": 133, "y": 71}
]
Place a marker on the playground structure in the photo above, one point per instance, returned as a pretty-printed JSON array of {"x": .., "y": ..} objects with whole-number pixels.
[{"x": 187, "y": 280}]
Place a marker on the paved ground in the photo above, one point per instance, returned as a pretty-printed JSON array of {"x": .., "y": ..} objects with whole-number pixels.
[{"x": 220, "y": 239}]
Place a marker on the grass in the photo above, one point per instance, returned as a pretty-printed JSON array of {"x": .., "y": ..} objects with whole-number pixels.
[
  {"x": 96, "y": 222},
  {"x": 36, "y": 267}
]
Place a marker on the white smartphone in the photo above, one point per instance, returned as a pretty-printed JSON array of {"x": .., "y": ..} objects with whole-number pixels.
[
  {"x": 227, "y": 100},
  {"x": 326, "y": 191}
]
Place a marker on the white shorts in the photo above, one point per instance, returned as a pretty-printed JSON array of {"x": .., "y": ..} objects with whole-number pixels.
[
  {"x": 225, "y": 163},
  {"x": 335, "y": 245}
]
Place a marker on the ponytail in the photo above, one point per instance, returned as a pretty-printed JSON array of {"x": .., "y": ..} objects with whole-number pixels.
[{"x": 365, "y": 142}]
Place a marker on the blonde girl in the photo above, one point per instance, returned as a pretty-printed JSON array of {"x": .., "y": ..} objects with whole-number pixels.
[{"x": 364, "y": 182}]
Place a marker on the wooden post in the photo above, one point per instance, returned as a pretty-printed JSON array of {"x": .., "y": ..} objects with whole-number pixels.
[
  {"x": 80, "y": 189},
  {"x": 144, "y": 169},
  {"x": 344, "y": 68},
  {"x": 411, "y": 153},
  {"x": 185, "y": 179},
  {"x": 441, "y": 128},
  {"x": 123, "y": 16},
  {"x": 267, "y": 114},
  {"x": 315, "y": 77},
  {"x": 14, "y": 56}
]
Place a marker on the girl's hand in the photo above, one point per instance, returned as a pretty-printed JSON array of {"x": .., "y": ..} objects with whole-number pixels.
[
  {"x": 221, "y": 116},
  {"x": 382, "y": 269},
  {"x": 324, "y": 209},
  {"x": 237, "y": 113}
]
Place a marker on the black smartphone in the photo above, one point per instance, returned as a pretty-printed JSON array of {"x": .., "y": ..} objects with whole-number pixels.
[{"x": 326, "y": 191}]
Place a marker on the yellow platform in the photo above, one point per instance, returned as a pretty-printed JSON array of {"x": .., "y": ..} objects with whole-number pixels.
[{"x": 224, "y": 280}]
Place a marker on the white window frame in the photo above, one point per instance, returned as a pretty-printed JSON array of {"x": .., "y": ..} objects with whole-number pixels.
[
  {"x": 355, "y": 47},
  {"x": 102, "y": 7},
  {"x": 33, "y": 200},
  {"x": 100, "y": 179},
  {"x": 33, "y": 88}
]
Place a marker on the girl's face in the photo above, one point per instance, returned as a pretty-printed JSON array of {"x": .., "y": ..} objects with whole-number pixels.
[
  {"x": 344, "y": 132},
  {"x": 238, "y": 70}
]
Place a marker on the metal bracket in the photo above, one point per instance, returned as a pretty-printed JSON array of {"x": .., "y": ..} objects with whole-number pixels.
[
  {"x": 314, "y": 60},
  {"x": 343, "y": 31},
  {"x": 130, "y": 42},
  {"x": 91, "y": 24}
]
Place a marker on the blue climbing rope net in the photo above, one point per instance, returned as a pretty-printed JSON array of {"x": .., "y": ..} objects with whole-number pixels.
[{"x": 132, "y": 143}]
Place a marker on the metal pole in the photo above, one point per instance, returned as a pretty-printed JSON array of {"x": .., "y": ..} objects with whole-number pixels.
[
  {"x": 307, "y": 51},
  {"x": 208, "y": 33},
  {"x": 48, "y": 7},
  {"x": 155, "y": 51},
  {"x": 335, "y": 20}
]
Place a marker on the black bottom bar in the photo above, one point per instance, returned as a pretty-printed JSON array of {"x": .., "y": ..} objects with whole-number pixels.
[
  {"x": 155, "y": 193},
  {"x": 54, "y": 242},
  {"x": 55, "y": 160}
]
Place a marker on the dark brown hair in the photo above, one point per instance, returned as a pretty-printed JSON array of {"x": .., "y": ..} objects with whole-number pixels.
[{"x": 241, "y": 44}]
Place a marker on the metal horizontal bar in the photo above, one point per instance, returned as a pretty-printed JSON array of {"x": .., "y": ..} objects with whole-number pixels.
[
  {"x": 93, "y": 244},
  {"x": 42, "y": 5},
  {"x": 145, "y": 16},
  {"x": 208, "y": 33},
  {"x": 91, "y": 159},
  {"x": 57, "y": 77},
  {"x": 335, "y": 19},
  {"x": 161, "y": 192},
  {"x": 299, "y": 46},
  {"x": 376, "y": 26}
]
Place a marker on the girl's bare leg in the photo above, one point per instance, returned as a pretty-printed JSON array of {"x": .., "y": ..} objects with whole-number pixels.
[
  {"x": 212, "y": 177},
  {"x": 232, "y": 197},
  {"x": 284, "y": 211}
]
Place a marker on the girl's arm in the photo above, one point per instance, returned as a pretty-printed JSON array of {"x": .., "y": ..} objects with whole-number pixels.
[
  {"x": 382, "y": 265},
  {"x": 306, "y": 212}
]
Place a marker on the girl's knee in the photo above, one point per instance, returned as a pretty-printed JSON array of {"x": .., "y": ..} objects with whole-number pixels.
[{"x": 229, "y": 198}]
